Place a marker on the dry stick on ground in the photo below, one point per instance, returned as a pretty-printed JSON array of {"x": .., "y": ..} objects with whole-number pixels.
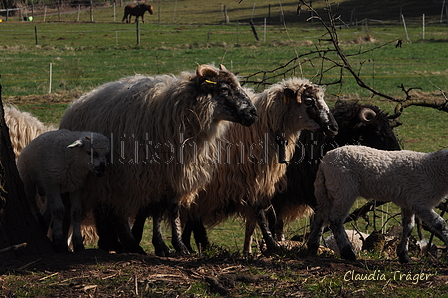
[{"x": 13, "y": 247}]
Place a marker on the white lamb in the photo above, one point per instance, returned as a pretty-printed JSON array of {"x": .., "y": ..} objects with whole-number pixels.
[
  {"x": 414, "y": 181},
  {"x": 58, "y": 162}
]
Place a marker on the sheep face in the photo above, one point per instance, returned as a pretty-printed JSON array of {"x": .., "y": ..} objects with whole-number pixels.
[
  {"x": 307, "y": 105},
  {"x": 365, "y": 125},
  {"x": 230, "y": 100},
  {"x": 94, "y": 149}
]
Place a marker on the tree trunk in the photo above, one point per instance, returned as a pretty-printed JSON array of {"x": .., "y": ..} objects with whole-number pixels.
[{"x": 17, "y": 225}]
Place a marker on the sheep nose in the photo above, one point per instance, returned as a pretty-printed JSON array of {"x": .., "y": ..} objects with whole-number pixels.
[
  {"x": 100, "y": 170},
  {"x": 332, "y": 129}
]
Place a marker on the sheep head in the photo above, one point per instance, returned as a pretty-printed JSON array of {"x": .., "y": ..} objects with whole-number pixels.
[
  {"x": 230, "y": 101},
  {"x": 95, "y": 147}
]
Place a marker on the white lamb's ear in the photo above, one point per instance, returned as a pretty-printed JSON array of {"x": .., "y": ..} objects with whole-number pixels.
[{"x": 77, "y": 143}]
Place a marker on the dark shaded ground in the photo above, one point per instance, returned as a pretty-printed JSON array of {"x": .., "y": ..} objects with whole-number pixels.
[{"x": 95, "y": 273}]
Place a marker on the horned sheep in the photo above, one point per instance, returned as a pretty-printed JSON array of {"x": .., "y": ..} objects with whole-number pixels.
[
  {"x": 414, "y": 181},
  {"x": 251, "y": 173},
  {"x": 164, "y": 131},
  {"x": 58, "y": 162},
  {"x": 358, "y": 123}
]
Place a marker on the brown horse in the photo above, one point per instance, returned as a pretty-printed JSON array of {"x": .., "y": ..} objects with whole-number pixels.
[{"x": 137, "y": 11}]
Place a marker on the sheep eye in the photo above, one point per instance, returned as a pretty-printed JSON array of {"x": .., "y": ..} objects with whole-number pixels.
[{"x": 309, "y": 101}]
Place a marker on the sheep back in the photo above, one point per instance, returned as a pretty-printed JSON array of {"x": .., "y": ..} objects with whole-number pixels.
[{"x": 163, "y": 135}]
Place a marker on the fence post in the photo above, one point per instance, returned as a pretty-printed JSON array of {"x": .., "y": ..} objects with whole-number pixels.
[
  {"x": 115, "y": 12},
  {"x": 51, "y": 73},
  {"x": 137, "y": 23},
  {"x": 254, "y": 31},
  {"x": 405, "y": 29},
  {"x": 35, "y": 35},
  {"x": 423, "y": 35},
  {"x": 91, "y": 11}
]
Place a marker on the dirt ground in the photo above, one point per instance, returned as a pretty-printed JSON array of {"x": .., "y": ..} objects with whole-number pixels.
[{"x": 96, "y": 273}]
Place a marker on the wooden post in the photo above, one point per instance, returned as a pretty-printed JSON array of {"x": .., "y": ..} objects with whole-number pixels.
[
  {"x": 35, "y": 35},
  {"x": 79, "y": 12},
  {"x": 254, "y": 31},
  {"x": 441, "y": 13},
  {"x": 115, "y": 12},
  {"x": 91, "y": 11},
  {"x": 423, "y": 33},
  {"x": 137, "y": 24},
  {"x": 405, "y": 29}
]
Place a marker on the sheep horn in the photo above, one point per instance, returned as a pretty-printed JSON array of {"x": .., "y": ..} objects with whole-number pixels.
[
  {"x": 206, "y": 71},
  {"x": 367, "y": 115}
]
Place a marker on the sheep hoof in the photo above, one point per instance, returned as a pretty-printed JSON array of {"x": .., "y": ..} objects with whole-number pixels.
[
  {"x": 404, "y": 258},
  {"x": 348, "y": 255},
  {"x": 60, "y": 246},
  {"x": 312, "y": 249},
  {"x": 181, "y": 249},
  {"x": 78, "y": 247},
  {"x": 162, "y": 250},
  {"x": 110, "y": 245}
]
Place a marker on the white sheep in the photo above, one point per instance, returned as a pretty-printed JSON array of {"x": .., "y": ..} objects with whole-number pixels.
[
  {"x": 356, "y": 238},
  {"x": 414, "y": 181},
  {"x": 250, "y": 173},
  {"x": 164, "y": 130},
  {"x": 58, "y": 162},
  {"x": 23, "y": 128}
]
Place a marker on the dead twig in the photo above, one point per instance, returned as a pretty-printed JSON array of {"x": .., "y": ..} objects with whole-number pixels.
[{"x": 13, "y": 247}]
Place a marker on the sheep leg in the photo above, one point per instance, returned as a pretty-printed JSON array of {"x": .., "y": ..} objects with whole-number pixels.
[
  {"x": 186, "y": 234},
  {"x": 407, "y": 219},
  {"x": 31, "y": 193},
  {"x": 75, "y": 214},
  {"x": 57, "y": 210},
  {"x": 108, "y": 239},
  {"x": 124, "y": 233},
  {"x": 176, "y": 230},
  {"x": 250, "y": 228},
  {"x": 435, "y": 222},
  {"x": 271, "y": 244},
  {"x": 317, "y": 228},
  {"x": 344, "y": 245},
  {"x": 139, "y": 223},
  {"x": 200, "y": 234},
  {"x": 160, "y": 247},
  {"x": 276, "y": 225}
]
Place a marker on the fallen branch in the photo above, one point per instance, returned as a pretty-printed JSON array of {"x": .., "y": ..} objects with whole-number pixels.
[{"x": 13, "y": 247}]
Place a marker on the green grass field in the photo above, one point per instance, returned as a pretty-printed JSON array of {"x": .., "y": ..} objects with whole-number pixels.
[{"x": 85, "y": 54}]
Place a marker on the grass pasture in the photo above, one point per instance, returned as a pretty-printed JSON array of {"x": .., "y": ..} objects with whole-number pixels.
[{"x": 85, "y": 54}]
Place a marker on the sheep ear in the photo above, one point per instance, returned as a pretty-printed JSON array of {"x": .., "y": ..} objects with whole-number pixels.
[
  {"x": 77, "y": 143},
  {"x": 288, "y": 95},
  {"x": 222, "y": 67},
  {"x": 206, "y": 71}
]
